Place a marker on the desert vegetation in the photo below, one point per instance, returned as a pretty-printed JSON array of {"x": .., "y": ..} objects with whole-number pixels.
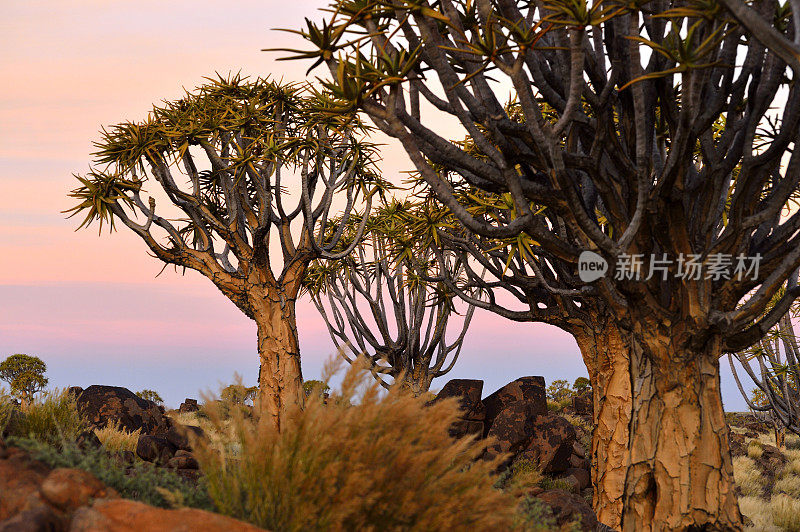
[{"x": 357, "y": 457}]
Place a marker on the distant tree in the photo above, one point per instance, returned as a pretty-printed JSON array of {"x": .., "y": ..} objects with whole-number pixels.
[
  {"x": 150, "y": 395},
  {"x": 251, "y": 169},
  {"x": 387, "y": 301},
  {"x": 311, "y": 385},
  {"x": 559, "y": 390},
  {"x": 238, "y": 394},
  {"x": 25, "y": 375},
  {"x": 773, "y": 364},
  {"x": 581, "y": 384}
]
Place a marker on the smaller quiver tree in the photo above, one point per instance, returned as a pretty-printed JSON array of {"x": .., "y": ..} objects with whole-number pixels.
[
  {"x": 776, "y": 374},
  {"x": 388, "y": 302},
  {"x": 250, "y": 171},
  {"x": 25, "y": 375}
]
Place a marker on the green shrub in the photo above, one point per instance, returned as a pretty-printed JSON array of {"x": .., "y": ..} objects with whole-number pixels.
[
  {"x": 385, "y": 462},
  {"x": 559, "y": 391},
  {"x": 581, "y": 384},
  {"x": 51, "y": 417},
  {"x": 150, "y": 395},
  {"x": 548, "y": 483},
  {"x": 156, "y": 486},
  {"x": 534, "y": 515}
]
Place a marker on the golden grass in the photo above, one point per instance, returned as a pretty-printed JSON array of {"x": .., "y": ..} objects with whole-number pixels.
[
  {"x": 115, "y": 438},
  {"x": 755, "y": 449},
  {"x": 789, "y": 484},
  {"x": 368, "y": 460},
  {"x": 747, "y": 476},
  {"x": 785, "y": 513},
  {"x": 757, "y": 510}
]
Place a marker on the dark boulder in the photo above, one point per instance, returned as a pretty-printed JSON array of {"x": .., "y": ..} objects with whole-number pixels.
[
  {"x": 463, "y": 427},
  {"x": 102, "y": 405},
  {"x": 181, "y": 436},
  {"x": 185, "y": 461},
  {"x": 88, "y": 440},
  {"x": 468, "y": 391},
  {"x": 512, "y": 428},
  {"x": 38, "y": 518},
  {"x": 551, "y": 442},
  {"x": 189, "y": 405},
  {"x": 525, "y": 389},
  {"x": 582, "y": 404},
  {"x": 156, "y": 449},
  {"x": 758, "y": 427},
  {"x": 74, "y": 391},
  {"x": 738, "y": 444},
  {"x": 583, "y": 478},
  {"x": 569, "y": 508}
]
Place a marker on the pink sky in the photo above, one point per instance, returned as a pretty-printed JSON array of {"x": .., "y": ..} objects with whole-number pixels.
[{"x": 92, "y": 307}]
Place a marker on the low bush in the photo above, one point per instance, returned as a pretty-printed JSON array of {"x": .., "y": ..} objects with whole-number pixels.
[
  {"x": 115, "y": 438},
  {"x": 366, "y": 460},
  {"x": 156, "y": 486},
  {"x": 535, "y": 516},
  {"x": 52, "y": 417}
]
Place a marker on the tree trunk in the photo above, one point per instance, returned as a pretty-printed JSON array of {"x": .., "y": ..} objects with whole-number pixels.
[
  {"x": 605, "y": 353},
  {"x": 280, "y": 377},
  {"x": 681, "y": 474}
]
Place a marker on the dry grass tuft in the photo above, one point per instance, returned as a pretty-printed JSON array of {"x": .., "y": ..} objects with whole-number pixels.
[
  {"x": 789, "y": 484},
  {"x": 747, "y": 476},
  {"x": 755, "y": 449},
  {"x": 757, "y": 510},
  {"x": 785, "y": 513},
  {"x": 115, "y": 438},
  {"x": 367, "y": 460}
]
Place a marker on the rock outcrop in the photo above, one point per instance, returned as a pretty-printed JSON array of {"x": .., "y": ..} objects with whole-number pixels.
[{"x": 102, "y": 405}]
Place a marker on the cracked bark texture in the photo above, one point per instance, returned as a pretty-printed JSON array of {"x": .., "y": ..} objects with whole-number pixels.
[
  {"x": 280, "y": 375},
  {"x": 680, "y": 475},
  {"x": 605, "y": 353}
]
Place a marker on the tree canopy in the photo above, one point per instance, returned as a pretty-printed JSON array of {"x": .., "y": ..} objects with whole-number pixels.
[{"x": 24, "y": 374}]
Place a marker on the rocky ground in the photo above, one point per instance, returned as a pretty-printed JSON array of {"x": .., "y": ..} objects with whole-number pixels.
[{"x": 515, "y": 417}]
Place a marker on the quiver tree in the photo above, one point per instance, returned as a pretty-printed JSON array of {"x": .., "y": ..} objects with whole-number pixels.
[
  {"x": 506, "y": 276},
  {"x": 776, "y": 374},
  {"x": 385, "y": 300},
  {"x": 250, "y": 171},
  {"x": 25, "y": 375},
  {"x": 653, "y": 134}
]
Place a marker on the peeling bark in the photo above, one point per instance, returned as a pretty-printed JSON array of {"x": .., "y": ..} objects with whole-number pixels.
[
  {"x": 681, "y": 473},
  {"x": 605, "y": 353},
  {"x": 280, "y": 377}
]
